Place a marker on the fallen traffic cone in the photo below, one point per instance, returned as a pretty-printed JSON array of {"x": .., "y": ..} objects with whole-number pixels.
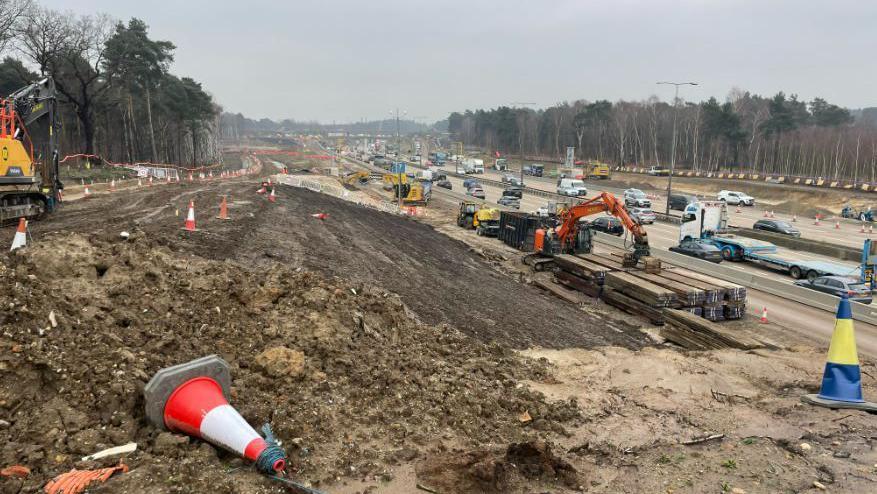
[
  {"x": 223, "y": 210},
  {"x": 191, "y": 398},
  {"x": 20, "y": 238},
  {"x": 271, "y": 196},
  {"x": 320, "y": 216},
  {"x": 190, "y": 218},
  {"x": 842, "y": 379},
  {"x": 763, "y": 319}
]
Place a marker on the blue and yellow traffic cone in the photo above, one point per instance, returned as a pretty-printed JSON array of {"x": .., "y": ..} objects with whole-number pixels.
[{"x": 842, "y": 379}]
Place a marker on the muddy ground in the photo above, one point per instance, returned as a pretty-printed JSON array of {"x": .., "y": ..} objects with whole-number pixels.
[{"x": 371, "y": 391}]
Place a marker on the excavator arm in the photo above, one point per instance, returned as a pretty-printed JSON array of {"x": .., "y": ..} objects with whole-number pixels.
[{"x": 605, "y": 202}]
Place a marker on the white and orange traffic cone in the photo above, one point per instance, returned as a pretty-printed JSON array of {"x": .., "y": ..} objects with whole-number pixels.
[
  {"x": 738, "y": 210},
  {"x": 263, "y": 189},
  {"x": 223, "y": 209},
  {"x": 20, "y": 238},
  {"x": 190, "y": 218},
  {"x": 86, "y": 193},
  {"x": 271, "y": 196},
  {"x": 817, "y": 220},
  {"x": 320, "y": 216},
  {"x": 763, "y": 319},
  {"x": 190, "y": 176},
  {"x": 771, "y": 214},
  {"x": 794, "y": 218},
  {"x": 139, "y": 183},
  {"x": 192, "y": 398},
  {"x": 113, "y": 185},
  {"x": 149, "y": 183},
  {"x": 765, "y": 214},
  {"x": 836, "y": 224}
]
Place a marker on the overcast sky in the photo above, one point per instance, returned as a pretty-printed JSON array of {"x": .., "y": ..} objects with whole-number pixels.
[{"x": 358, "y": 59}]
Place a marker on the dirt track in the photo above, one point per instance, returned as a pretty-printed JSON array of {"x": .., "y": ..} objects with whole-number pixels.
[{"x": 437, "y": 277}]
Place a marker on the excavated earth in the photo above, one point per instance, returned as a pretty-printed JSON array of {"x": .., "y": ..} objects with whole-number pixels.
[{"x": 387, "y": 357}]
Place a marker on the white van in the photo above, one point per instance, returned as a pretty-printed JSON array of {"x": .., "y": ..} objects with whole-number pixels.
[{"x": 572, "y": 187}]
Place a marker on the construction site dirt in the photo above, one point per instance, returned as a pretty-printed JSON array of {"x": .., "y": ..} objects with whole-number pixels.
[{"x": 385, "y": 355}]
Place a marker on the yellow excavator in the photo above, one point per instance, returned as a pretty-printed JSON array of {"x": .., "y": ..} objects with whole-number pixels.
[
  {"x": 28, "y": 188},
  {"x": 412, "y": 192},
  {"x": 361, "y": 177}
]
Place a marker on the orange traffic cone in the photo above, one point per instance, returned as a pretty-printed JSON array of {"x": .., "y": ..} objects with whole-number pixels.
[
  {"x": 794, "y": 218},
  {"x": 817, "y": 220},
  {"x": 20, "y": 238},
  {"x": 149, "y": 184},
  {"x": 86, "y": 193},
  {"x": 763, "y": 319},
  {"x": 264, "y": 188},
  {"x": 190, "y": 176},
  {"x": 192, "y": 399},
  {"x": 271, "y": 196},
  {"x": 738, "y": 210},
  {"x": 836, "y": 224},
  {"x": 223, "y": 210},
  {"x": 113, "y": 185},
  {"x": 320, "y": 216},
  {"x": 771, "y": 214},
  {"x": 190, "y": 218},
  {"x": 765, "y": 214}
]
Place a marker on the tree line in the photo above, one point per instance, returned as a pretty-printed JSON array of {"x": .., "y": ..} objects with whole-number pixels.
[
  {"x": 745, "y": 132},
  {"x": 117, "y": 97}
]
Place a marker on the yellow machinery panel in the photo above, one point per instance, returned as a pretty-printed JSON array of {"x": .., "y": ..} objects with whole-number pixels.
[{"x": 15, "y": 164}]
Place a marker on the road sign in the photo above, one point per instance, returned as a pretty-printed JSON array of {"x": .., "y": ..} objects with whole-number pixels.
[
  {"x": 397, "y": 167},
  {"x": 570, "y": 157}
]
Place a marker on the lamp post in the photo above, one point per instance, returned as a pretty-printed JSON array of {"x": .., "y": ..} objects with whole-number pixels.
[
  {"x": 521, "y": 134},
  {"x": 398, "y": 153},
  {"x": 673, "y": 146}
]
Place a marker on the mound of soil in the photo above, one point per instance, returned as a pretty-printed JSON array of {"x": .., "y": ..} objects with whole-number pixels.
[{"x": 350, "y": 382}]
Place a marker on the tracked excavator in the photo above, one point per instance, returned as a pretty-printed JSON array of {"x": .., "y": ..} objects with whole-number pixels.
[
  {"x": 28, "y": 188},
  {"x": 572, "y": 237}
]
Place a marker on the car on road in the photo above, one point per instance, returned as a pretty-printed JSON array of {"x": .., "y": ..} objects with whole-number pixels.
[
  {"x": 776, "y": 226},
  {"x": 445, "y": 184},
  {"x": 475, "y": 191},
  {"x": 571, "y": 187},
  {"x": 508, "y": 178},
  {"x": 534, "y": 169},
  {"x": 657, "y": 171},
  {"x": 509, "y": 201},
  {"x": 470, "y": 182},
  {"x": 636, "y": 198},
  {"x": 643, "y": 216},
  {"x": 415, "y": 159},
  {"x": 839, "y": 286},
  {"x": 736, "y": 198},
  {"x": 679, "y": 201},
  {"x": 608, "y": 224},
  {"x": 513, "y": 191},
  {"x": 699, "y": 249}
]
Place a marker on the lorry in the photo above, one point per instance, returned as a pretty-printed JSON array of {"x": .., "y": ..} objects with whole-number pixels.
[
  {"x": 708, "y": 221},
  {"x": 501, "y": 164},
  {"x": 474, "y": 165}
]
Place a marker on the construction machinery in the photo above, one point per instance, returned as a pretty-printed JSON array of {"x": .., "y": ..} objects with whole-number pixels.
[
  {"x": 28, "y": 188},
  {"x": 474, "y": 216},
  {"x": 572, "y": 237},
  {"x": 412, "y": 192},
  {"x": 361, "y": 177}
]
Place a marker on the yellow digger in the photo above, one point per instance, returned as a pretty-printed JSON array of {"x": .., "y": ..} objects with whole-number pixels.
[
  {"x": 360, "y": 177},
  {"x": 413, "y": 193}
]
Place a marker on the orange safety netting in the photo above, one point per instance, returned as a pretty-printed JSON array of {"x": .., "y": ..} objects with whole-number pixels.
[
  {"x": 19, "y": 471},
  {"x": 76, "y": 481}
]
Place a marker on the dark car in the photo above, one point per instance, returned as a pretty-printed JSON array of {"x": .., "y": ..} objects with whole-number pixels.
[
  {"x": 445, "y": 184},
  {"x": 698, "y": 249},
  {"x": 608, "y": 224},
  {"x": 679, "y": 201},
  {"x": 513, "y": 192},
  {"x": 776, "y": 226},
  {"x": 509, "y": 201},
  {"x": 838, "y": 286},
  {"x": 470, "y": 182}
]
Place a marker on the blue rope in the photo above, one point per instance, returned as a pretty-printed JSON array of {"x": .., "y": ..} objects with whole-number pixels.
[{"x": 271, "y": 454}]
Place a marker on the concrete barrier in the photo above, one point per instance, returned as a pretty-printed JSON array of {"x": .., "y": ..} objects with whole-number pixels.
[
  {"x": 788, "y": 291},
  {"x": 803, "y": 244}
]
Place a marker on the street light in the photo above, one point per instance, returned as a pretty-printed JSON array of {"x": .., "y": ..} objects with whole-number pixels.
[
  {"x": 673, "y": 146},
  {"x": 521, "y": 135},
  {"x": 398, "y": 153}
]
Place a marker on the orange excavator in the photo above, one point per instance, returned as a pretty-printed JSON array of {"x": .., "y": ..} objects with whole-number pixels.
[{"x": 571, "y": 238}]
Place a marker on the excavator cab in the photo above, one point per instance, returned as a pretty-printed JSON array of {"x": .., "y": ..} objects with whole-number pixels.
[{"x": 466, "y": 216}]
